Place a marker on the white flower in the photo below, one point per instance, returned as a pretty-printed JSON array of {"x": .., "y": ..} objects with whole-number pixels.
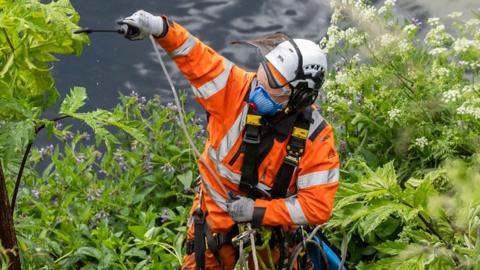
[
  {"x": 469, "y": 109},
  {"x": 336, "y": 16},
  {"x": 332, "y": 98},
  {"x": 462, "y": 45},
  {"x": 393, "y": 114},
  {"x": 341, "y": 77},
  {"x": 353, "y": 36},
  {"x": 433, "y": 21},
  {"x": 451, "y": 96},
  {"x": 438, "y": 36},
  {"x": 390, "y": 3},
  {"x": 437, "y": 51},
  {"x": 455, "y": 14},
  {"x": 404, "y": 46},
  {"x": 382, "y": 10},
  {"x": 410, "y": 28},
  {"x": 472, "y": 23},
  {"x": 421, "y": 142},
  {"x": 386, "y": 40},
  {"x": 356, "y": 58},
  {"x": 440, "y": 72},
  {"x": 367, "y": 14}
]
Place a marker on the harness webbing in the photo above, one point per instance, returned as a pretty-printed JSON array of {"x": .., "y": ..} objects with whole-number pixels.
[
  {"x": 295, "y": 149},
  {"x": 259, "y": 135}
]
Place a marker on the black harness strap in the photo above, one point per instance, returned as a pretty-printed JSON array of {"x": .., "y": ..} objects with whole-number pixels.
[
  {"x": 251, "y": 144},
  {"x": 199, "y": 239},
  {"x": 295, "y": 149}
]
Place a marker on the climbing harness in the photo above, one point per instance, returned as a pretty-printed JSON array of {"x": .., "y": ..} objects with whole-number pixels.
[{"x": 253, "y": 138}]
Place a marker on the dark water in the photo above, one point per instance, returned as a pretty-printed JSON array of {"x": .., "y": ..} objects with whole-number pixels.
[{"x": 113, "y": 64}]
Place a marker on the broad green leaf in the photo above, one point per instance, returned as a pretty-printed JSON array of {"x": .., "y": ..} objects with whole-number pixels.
[
  {"x": 138, "y": 231},
  {"x": 379, "y": 214},
  {"x": 391, "y": 247},
  {"x": 186, "y": 178},
  {"x": 90, "y": 251}
]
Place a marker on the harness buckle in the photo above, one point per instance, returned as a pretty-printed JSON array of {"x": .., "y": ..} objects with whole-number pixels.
[
  {"x": 253, "y": 192},
  {"x": 251, "y": 138},
  {"x": 291, "y": 160}
]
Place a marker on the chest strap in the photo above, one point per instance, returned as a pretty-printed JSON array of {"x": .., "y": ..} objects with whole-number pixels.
[
  {"x": 295, "y": 150},
  {"x": 251, "y": 144}
]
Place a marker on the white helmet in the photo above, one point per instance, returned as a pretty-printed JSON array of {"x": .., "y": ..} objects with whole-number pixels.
[{"x": 299, "y": 61}]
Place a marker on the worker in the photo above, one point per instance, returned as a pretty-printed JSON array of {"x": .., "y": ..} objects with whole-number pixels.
[{"x": 267, "y": 141}]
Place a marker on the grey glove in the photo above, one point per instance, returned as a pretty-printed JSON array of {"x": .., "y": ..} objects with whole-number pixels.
[
  {"x": 241, "y": 210},
  {"x": 142, "y": 24}
]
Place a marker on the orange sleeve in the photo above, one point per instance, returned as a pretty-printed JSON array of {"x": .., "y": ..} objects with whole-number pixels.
[
  {"x": 316, "y": 183},
  {"x": 219, "y": 85}
]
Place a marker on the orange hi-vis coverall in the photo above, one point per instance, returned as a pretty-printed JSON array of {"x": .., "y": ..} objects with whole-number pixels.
[{"x": 221, "y": 88}]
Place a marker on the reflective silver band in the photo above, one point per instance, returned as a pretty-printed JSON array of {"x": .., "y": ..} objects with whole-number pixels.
[
  {"x": 211, "y": 88},
  {"x": 233, "y": 133},
  {"x": 185, "y": 48},
  {"x": 317, "y": 120},
  {"x": 318, "y": 178},
  {"x": 221, "y": 169},
  {"x": 221, "y": 202},
  {"x": 295, "y": 211}
]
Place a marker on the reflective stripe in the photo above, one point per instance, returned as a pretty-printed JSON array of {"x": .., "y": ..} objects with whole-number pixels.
[
  {"x": 318, "y": 178},
  {"x": 221, "y": 202},
  {"x": 221, "y": 169},
  {"x": 264, "y": 187},
  {"x": 185, "y": 48},
  {"x": 295, "y": 211},
  {"x": 232, "y": 135},
  {"x": 226, "y": 146},
  {"x": 317, "y": 120},
  {"x": 211, "y": 88}
]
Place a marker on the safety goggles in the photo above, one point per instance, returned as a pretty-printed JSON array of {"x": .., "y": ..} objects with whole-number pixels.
[{"x": 266, "y": 44}]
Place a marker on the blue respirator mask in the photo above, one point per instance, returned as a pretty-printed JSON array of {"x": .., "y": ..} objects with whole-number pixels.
[{"x": 263, "y": 102}]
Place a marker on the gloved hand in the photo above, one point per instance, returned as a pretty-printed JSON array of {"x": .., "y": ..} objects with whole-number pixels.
[
  {"x": 241, "y": 210},
  {"x": 142, "y": 24}
]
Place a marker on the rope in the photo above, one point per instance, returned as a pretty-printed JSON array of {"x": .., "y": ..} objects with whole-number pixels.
[{"x": 192, "y": 145}]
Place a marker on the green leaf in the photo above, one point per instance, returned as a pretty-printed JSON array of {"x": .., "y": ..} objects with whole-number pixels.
[
  {"x": 423, "y": 192},
  {"x": 74, "y": 101},
  {"x": 391, "y": 247},
  {"x": 89, "y": 251},
  {"x": 186, "y": 178},
  {"x": 13, "y": 110},
  {"x": 380, "y": 213},
  {"x": 138, "y": 231}
]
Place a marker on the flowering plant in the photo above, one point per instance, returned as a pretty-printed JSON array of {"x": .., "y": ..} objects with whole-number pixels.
[{"x": 404, "y": 100}]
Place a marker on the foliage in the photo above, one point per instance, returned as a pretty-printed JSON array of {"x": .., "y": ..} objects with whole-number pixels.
[
  {"x": 3, "y": 259},
  {"x": 414, "y": 227},
  {"x": 30, "y": 33},
  {"x": 119, "y": 208},
  {"x": 404, "y": 100},
  {"x": 396, "y": 95},
  {"x": 116, "y": 205}
]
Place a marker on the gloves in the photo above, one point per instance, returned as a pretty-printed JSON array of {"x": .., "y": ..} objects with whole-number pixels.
[
  {"x": 142, "y": 24},
  {"x": 241, "y": 210}
]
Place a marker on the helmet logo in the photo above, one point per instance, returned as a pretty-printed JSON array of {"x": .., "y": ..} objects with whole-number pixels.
[{"x": 281, "y": 58}]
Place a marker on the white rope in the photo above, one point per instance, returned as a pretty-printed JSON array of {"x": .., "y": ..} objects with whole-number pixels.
[
  {"x": 182, "y": 121},
  {"x": 254, "y": 248},
  {"x": 195, "y": 149}
]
